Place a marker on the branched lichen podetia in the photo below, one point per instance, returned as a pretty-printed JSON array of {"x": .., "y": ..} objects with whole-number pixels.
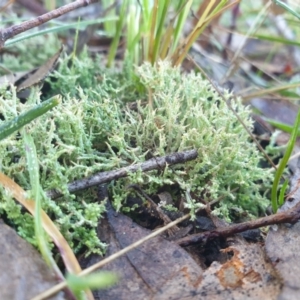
[{"x": 108, "y": 120}]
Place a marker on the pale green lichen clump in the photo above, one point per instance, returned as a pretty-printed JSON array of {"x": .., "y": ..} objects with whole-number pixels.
[{"x": 96, "y": 128}]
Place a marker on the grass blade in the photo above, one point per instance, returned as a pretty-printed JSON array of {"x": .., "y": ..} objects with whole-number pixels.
[
  {"x": 11, "y": 126},
  {"x": 283, "y": 164},
  {"x": 57, "y": 29},
  {"x": 99, "y": 280}
]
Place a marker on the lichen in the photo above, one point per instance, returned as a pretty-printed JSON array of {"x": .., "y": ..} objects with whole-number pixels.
[{"x": 111, "y": 119}]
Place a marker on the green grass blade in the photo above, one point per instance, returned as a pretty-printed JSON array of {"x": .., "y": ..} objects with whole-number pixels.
[
  {"x": 11, "y": 126},
  {"x": 283, "y": 164},
  {"x": 282, "y": 192},
  {"x": 287, "y": 8},
  {"x": 276, "y": 39},
  {"x": 161, "y": 22},
  {"x": 115, "y": 42},
  {"x": 184, "y": 10},
  {"x": 57, "y": 29},
  {"x": 133, "y": 33},
  {"x": 282, "y": 126},
  {"x": 98, "y": 280},
  {"x": 33, "y": 169}
]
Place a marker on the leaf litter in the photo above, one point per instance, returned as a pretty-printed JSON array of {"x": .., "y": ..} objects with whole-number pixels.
[{"x": 160, "y": 269}]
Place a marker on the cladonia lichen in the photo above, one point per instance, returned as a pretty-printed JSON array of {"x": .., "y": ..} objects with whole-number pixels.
[{"x": 111, "y": 119}]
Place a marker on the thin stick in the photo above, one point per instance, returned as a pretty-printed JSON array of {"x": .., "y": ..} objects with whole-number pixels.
[
  {"x": 103, "y": 177},
  {"x": 290, "y": 216},
  {"x": 12, "y": 31}
]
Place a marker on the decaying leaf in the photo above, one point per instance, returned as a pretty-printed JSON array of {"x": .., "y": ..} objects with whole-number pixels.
[
  {"x": 158, "y": 269},
  {"x": 35, "y": 76},
  {"x": 11, "y": 78},
  {"x": 67, "y": 254},
  {"x": 23, "y": 274}
]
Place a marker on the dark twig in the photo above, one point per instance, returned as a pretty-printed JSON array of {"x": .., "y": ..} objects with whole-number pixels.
[
  {"x": 151, "y": 164},
  {"x": 12, "y": 31},
  {"x": 290, "y": 216}
]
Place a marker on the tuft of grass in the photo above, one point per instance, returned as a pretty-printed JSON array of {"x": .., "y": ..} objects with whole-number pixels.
[{"x": 153, "y": 30}]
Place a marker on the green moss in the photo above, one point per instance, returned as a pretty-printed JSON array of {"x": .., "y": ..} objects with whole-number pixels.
[{"x": 105, "y": 122}]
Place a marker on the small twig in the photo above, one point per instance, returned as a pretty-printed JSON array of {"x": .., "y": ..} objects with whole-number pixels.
[
  {"x": 103, "y": 177},
  {"x": 290, "y": 216},
  {"x": 12, "y": 31}
]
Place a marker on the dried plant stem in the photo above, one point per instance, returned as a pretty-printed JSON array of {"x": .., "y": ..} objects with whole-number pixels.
[
  {"x": 103, "y": 177},
  {"x": 290, "y": 216},
  {"x": 12, "y": 31}
]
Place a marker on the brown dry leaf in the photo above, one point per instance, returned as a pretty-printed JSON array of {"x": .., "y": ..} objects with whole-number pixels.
[
  {"x": 158, "y": 269},
  {"x": 23, "y": 274},
  {"x": 271, "y": 68},
  {"x": 161, "y": 270},
  {"x": 35, "y": 76},
  {"x": 11, "y": 78}
]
